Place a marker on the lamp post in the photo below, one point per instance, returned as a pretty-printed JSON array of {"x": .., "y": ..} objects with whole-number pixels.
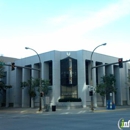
[
  {"x": 91, "y": 81},
  {"x": 40, "y": 81}
]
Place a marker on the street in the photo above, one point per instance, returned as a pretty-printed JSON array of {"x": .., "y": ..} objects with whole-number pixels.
[{"x": 86, "y": 121}]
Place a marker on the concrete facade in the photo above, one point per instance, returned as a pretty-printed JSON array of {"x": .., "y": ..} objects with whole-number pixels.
[{"x": 19, "y": 97}]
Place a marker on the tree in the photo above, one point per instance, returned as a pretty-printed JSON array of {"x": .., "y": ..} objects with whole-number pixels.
[
  {"x": 45, "y": 86},
  {"x": 33, "y": 84},
  {"x": 3, "y": 86},
  {"x": 106, "y": 86},
  {"x": 1, "y": 70},
  {"x": 101, "y": 89}
]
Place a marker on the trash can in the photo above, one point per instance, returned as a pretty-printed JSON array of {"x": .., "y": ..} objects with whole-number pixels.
[
  {"x": 108, "y": 104},
  {"x": 53, "y": 108}
]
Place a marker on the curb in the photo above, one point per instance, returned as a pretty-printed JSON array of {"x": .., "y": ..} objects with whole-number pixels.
[
  {"x": 73, "y": 112},
  {"x": 111, "y": 110},
  {"x": 60, "y": 111}
]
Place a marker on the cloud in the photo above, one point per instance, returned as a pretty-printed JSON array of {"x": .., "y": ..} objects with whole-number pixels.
[
  {"x": 99, "y": 19},
  {"x": 59, "y": 19},
  {"x": 71, "y": 37}
]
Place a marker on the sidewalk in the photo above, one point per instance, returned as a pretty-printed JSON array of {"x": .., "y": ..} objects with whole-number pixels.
[{"x": 62, "y": 110}]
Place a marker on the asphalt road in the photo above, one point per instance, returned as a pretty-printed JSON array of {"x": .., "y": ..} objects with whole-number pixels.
[{"x": 86, "y": 121}]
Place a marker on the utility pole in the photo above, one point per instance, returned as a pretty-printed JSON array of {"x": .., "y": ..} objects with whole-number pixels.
[{"x": 91, "y": 81}]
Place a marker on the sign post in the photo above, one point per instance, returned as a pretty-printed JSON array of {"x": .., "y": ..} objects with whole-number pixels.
[{"x": 92, "y": 90}]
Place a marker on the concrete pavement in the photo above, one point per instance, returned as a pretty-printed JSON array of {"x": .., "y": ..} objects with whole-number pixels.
[
  {"x": 64, "y": 121},
  {"x": 62, "y": 110}
]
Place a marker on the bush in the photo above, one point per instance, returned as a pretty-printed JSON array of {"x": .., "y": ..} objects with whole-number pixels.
[{"x": 70, "y": 99}]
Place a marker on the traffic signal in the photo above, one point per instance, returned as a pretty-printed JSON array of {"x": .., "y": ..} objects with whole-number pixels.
[
  {"x": 91, "y": 93},
  {"x": 13, "y": 66},
  {"x": 120, "y": 61},
  {"x": 41, "y": 94}
]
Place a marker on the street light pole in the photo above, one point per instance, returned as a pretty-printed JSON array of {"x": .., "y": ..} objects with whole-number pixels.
[
  {"x": 91, "y": 81},
  {"x": 40, "y": 81}
]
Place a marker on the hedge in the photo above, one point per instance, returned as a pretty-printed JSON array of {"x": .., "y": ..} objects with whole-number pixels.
[{"x": 70, "y": 100}]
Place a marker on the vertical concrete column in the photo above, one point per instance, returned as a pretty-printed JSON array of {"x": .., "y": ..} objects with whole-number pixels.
[
  {"x": 14, "y": 89},
  {"x": 25, "y": 90},
  {"x": 82, "y": 87},
  {"x": 42, "y": 70},
  {"x": 126, "y": 80},
  {"x": 127, "y": 87},
  {"x": 101, "y": 73},
  {"x": 111, "y": 71},
  {"x": 88, "y": 97},
  {"x": 8, "y": 83},
  {"x": 94, "y": 84},
  {"x": 34, "y": 75},
  {"x": 113, "y": 97},
  {"x": 118, "y": 85},
  {"x": 23, "y": 80},
  {"x": 17, "y": 78},
  {"x": 45, "y": 76},
  {"x": 103, "y": 69},
  {"x": 56, "y": 81},
  {"x": 18, "y": 91},
  {"x": 42, "y": 77}
]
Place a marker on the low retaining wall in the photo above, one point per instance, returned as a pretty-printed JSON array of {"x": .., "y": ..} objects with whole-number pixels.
[{"x": 69, "y": 104}]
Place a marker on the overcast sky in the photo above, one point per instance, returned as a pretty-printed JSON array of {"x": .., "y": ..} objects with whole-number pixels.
[{"x": 64, "y": 25}]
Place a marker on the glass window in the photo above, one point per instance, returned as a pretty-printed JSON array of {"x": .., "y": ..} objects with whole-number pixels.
[
  {"x": 68, "y": 67},
  {"x": 50, "y": 72},
  {"x": 87, "y": 77}
]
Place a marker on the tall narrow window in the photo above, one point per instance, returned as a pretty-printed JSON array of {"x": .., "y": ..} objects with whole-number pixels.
[
  {"x": 50, "y": 72},
  {"x": 68, "y": 68},
  {"x": 86, "y": 68}
]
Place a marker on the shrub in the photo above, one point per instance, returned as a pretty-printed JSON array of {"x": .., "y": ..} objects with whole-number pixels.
[{"x": 70, "y": 99}]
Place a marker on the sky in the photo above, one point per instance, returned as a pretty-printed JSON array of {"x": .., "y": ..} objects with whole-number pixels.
[{"x": 64, "y": 25}]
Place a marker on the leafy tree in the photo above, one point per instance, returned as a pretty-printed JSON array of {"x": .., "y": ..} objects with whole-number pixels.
[
  {"x": 1, "y": 70},
  {"x": 34, "y": 83},
  {"x": 106, "y": 86},
  {"x": 3, "y": 86},
  {"x": 30, "y": 83},
  {"x": 45, "y": 88}
]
